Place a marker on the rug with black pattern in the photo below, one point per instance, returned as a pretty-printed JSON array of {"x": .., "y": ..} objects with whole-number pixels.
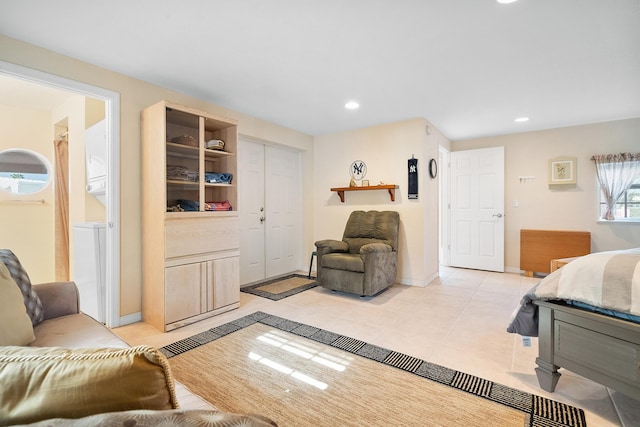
[{"x": 541, "y": 411}]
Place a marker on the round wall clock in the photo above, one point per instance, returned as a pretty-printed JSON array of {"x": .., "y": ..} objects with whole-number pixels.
[
  {"x": 433, "y": 168},
  {"x": 358, "y": 170}
]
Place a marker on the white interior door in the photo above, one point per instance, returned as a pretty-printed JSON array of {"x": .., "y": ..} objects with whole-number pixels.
[
  {"x": 282, "y": 176},
  {"x": 251, "y": 195},
  {"x": 269, "y": 194},
  {"x": 477, "y": 209}
]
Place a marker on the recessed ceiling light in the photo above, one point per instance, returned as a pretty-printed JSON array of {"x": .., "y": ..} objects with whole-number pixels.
[
  {"x": 522, "y": 119},
  {"x": 352, "y": 105},
  {"x": 506, "y": 1}
]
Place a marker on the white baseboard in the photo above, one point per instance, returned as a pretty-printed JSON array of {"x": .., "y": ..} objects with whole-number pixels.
[
  {"x": 131, "y": 318},
  {"x": 420, "y": 283}
]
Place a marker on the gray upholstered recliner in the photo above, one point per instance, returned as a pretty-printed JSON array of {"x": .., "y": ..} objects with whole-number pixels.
[{"x": 366, "y": 260}]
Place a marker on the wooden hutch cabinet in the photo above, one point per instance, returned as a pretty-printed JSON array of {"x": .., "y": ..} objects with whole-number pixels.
[{"x": 190, "y": 230}]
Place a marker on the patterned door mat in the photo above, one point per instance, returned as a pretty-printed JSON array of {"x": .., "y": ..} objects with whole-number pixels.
[{"x": 282, "y": 287}]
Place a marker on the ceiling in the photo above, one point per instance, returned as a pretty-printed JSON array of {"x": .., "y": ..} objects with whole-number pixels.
[{"x": 470, "y": 67}]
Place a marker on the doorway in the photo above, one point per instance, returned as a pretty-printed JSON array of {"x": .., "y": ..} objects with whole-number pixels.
[
  {"x": 269, "y": 194},
  {"x": 112, "y": 112},
  {"x": 443, "y": 206}
]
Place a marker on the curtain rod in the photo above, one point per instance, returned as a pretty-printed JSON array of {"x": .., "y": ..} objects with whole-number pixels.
[
  {"x": 42, "y": 201},
  {"x": 625, "y": 155}
]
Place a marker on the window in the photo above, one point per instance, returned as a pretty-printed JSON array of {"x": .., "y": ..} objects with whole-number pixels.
[
  {"x": 628, "y": 206},
  {"x": 23, "y": 171}
]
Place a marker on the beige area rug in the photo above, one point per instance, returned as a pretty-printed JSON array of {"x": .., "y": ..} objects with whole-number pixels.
[
  {"x": 282, "y": 287},
  {"x": 299, "y": 375}
]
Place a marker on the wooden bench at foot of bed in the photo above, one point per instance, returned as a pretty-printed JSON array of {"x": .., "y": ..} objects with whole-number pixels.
[{"x": 539, "y": 247}]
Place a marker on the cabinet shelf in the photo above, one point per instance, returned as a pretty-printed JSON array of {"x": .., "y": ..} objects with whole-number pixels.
[
  {"x": 217, "y": 184},
  {"x": 177, "y": 182},
  {"x": 184, "y": 183},
  {"x": 212, "y": 214},
  {"x": 175, "y": 148},
  {"x": 181, "y": 150},
  {"x": 389, "y": 187},
  {"x": 216, "y": 153}
]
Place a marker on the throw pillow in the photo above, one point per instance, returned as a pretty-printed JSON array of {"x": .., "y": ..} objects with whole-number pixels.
[
  {"x": 31, "y": 300},
  {"x": 39, "y": 383},
  {"x": 170, "y": 418},
  {"x": 15, "y": 325}
]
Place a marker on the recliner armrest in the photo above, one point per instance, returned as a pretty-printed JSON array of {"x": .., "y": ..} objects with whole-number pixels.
[
  {"x": 332, "y": 246},
  {"x": 58, "y": 298},
  {"x": 375, "y": 248}
]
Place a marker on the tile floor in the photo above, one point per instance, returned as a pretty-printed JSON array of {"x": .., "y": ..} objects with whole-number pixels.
[{"x": 458, "y": 321}]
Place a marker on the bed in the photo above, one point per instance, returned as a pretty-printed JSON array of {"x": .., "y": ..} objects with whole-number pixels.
[{"x": 586, "y": 316}]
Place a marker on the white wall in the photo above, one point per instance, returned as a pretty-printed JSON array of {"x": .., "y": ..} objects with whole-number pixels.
[
  {"x": 556, "y": 208},
  {"x": 26, "y": 227},
  {"x": 385, "y": 149}
]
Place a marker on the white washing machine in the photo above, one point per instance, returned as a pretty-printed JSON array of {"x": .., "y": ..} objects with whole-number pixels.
[{"x": 89, "y": 272}]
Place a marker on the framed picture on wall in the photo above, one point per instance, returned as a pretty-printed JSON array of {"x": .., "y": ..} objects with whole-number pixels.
[{"x": 562, "y": 170}]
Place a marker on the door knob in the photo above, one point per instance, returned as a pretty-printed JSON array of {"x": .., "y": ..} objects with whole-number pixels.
[
  {"x": 261, "y": 219},
  {"x": 499, "y": 215}
]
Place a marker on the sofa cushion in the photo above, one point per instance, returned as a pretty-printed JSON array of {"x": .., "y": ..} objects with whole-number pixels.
[
  {"x": 58, "y": 298},
  {"x": 341, "y": 261},
  {"x": 15, "y": 324},
  {"x": 373, "y": 226},
  {"x": 75, "y": 331},
  {"x": 31, "y": 300},
  {"x": 169, "y": 418},
  {"x": 42, "y": 383},
  {"x": 356, "y": 243}
]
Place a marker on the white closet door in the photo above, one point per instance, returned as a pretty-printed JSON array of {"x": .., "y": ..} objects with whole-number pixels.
[
  {"x": 282, "y": 178},
  {"x": 251, "y": 195},
  {"x": 269, "y": 190}
]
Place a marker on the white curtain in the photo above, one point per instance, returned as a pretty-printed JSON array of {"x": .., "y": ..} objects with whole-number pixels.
[
  {"x": 61, "y": 152},
  {"x": 616, "y": 173}
]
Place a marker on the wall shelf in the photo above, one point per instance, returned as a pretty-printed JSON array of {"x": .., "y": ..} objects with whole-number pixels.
[{"x": 390, "y": 187}]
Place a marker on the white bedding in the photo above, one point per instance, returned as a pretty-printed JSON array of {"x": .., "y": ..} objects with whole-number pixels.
[{"x": 608, "y": 280}]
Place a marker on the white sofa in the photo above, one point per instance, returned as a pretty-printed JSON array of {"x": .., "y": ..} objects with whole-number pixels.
[
  {"x": 64, "y": 325},
  {"x": 77, "y": 373}
]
